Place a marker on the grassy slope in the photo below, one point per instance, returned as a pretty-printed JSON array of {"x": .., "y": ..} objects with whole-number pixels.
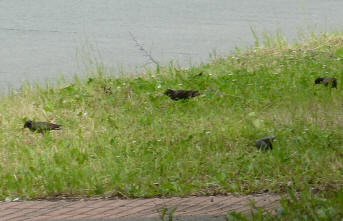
[{"x": 136, "y": 142}]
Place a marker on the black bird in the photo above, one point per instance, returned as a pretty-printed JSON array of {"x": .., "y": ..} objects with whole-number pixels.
[
  {"x": 327, "y": 81},
  {"x": 181, "y": 94},
  {"x": 265, "y": 143},
  {"x": 41, "y": 127},
  {"x": 198, "y": 75}
]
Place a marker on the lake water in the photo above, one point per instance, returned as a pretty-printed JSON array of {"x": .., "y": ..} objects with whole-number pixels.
[{"x": 43, "y": 39}]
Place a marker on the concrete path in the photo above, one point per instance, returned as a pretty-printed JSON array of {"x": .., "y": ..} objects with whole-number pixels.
[{"x": 190, "y": 208}]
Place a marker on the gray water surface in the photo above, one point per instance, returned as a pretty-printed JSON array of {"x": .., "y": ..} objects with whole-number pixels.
[{"x": 43, "y": 39}]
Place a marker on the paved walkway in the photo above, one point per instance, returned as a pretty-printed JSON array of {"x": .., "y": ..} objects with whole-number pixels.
[{"x": 133, "y": 208}]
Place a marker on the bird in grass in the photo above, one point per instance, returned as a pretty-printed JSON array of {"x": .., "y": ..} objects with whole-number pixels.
[
  {"x": 327, "y": 81},
  {"x": 265, "y": 143},
  {"x": 181, "y": 94},
  {"x": 41, "y": 127},
  {"x": 198, "y": 75}
]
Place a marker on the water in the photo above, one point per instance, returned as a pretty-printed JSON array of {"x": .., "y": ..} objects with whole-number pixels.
[{"x": 43, "y": 39}]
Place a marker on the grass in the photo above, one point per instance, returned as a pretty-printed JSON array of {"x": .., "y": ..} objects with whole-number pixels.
[
  {"x": 303, "y": 206},
  {"x": 133, "y": 141}
]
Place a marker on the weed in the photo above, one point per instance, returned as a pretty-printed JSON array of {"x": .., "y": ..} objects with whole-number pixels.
[{"x": 166, "y": 214}]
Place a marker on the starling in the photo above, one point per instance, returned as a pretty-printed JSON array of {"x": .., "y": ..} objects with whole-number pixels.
[
  {"x": 181, "y": 94},
  {"x": 327, "y": 81},
  {"x": 198, "y": 75},
  {"x": 41, "y": 127},
  {"x": 265, "y": 143}
]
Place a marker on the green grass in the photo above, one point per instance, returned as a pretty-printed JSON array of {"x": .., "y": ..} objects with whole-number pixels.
[
  {"x": 303, "y": 206},
  {"x": 136, "y": 142}
]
